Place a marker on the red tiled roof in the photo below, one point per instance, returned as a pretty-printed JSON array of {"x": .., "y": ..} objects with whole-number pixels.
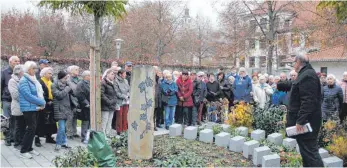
[{"x": 337, "y": 53}]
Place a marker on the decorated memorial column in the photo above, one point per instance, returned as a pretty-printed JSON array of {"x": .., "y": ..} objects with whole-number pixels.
[{"x": 141, "y": 111}]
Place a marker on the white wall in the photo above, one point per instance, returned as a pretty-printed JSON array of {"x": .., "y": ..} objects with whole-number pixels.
[{"x": 335, "y": 68}]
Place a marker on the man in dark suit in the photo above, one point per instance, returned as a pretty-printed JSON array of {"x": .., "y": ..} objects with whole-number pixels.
[{"x": 304, "y": 107}]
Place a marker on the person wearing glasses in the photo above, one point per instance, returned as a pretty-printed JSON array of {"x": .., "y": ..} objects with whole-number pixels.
[{"x": 304, "y": 107}]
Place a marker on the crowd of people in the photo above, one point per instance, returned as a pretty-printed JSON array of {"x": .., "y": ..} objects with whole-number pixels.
[{"x": 35, "y": 100}]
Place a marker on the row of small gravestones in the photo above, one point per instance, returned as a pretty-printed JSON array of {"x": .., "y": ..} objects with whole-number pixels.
[{"x": 260, "y": 155}]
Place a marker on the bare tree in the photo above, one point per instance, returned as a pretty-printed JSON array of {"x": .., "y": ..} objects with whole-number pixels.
[{"x": 271, "y": 10}]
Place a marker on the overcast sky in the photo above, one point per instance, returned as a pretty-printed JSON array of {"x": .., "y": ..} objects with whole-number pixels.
[{"x": 201, "y": 7}]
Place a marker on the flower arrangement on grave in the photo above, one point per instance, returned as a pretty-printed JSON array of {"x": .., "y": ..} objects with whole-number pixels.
[{"x": 240, "y": 115}]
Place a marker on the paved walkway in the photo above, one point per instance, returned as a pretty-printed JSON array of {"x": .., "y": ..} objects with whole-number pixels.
[{"x": 11, "y": 157}]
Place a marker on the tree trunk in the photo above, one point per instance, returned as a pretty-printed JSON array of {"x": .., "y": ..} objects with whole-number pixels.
[
  {"x": 97, "y": 73},
  {"x": 269, "y": 58},
  {"x": 270, "y": 36}
]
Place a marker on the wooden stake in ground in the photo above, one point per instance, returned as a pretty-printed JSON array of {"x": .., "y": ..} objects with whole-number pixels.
[
  {"x": 141, "y": 111},
  {"x": 92, "y": 84}
]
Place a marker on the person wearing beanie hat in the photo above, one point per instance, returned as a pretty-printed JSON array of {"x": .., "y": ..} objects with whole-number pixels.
[
  {"x": 61, "y": 74},
  {"x": 62, "y": 107}
]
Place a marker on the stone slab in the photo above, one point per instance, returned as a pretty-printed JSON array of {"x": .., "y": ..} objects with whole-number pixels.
[
  {"x": 222, "y": 139},
  {"x": 258, "y": 135},
  {"x": 242, "y": 131},
  {"x": 333, "y": 162},
  {"x": 272, "y": 160},
  {"x": 206, "y": 135},
  {"x": 190, "y": 132},
  {"x": 259, "y": 153},
  {"x": 225, "y": 127},
  {"x": 175, "y": 130},
  {"x": 236, "y": 143},
  {"x": 275, "y": 138},
  {"x": 248, "y": 148},
  {"x": 289, "y": 143},
  {"x": 323, "y": 153}
]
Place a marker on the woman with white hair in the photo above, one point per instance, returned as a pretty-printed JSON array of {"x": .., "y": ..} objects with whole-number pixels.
[
  {"x": 169, "y": 90},
  {"x": 46, "y": 126},
  {"x": 343, "y": 85},
  {"x": 18, "y": 72},
  {"x": 31, "y": 101},
  {"x": 262, "y": 92},
  {"x": 108, "y": 100},
  {"x": 71, "y": 122},
  {"x": 332, "y": 99},
  {"x": 242, "y": 86}
]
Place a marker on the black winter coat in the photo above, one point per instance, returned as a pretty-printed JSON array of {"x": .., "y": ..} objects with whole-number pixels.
[
  {"x": 158, "y": 94},
  {"x": 48, "y": 111},
  {"x": 199, "y": 92},
  {"x": 304, "y": 102},
  {"x": 83, "y": 96},
  {"x": 61, "y": 100},
  {"x": 5, "y": 77},
  {"x": 108, "y": 96},
  {"x": 213, "y": 91}
]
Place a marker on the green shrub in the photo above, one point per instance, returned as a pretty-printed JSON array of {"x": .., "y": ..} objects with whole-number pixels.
[
  {"x": 269, "y": 119},
  {"x": 76, "y": 157},
  {"x": 217, "y": 129},
  {"x": 121, "y": 141}
]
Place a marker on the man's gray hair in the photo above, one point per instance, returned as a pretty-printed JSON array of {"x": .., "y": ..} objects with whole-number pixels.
[
  {"x": 277, "y": 78},
  {"x": 345, "y": 73},
  {"x": 18, "y": 69},
  {"x": 28, "y": 65},
  {"x": 46, "y": 70},
  {"x": 302, "y": 58},
  {"x": 85, "y": 73},
  {"x": 12, "y": 58},
  {"x": 72, "y": 68}
]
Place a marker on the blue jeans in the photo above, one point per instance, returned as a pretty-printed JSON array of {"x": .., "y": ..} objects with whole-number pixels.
[
  {"x": 61, "y": 136},
  {"x": 169, "y": 115}
]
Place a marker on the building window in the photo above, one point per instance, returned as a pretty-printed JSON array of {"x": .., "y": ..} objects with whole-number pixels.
[
  {"x": 309, "y": 42},
  {"x": 263, "y": 23},
  {"x": 324, "y": 70},
  {"x": 295, "y": 40},
  {"x": 251, "y": 61},
  {"x": 282, "y": 43},
  {"x": 280, "y": 59},
  {"x": 286, "y": 24},
  {"x": 262, "y": 43},
  {"x": 253, "y": 25},
  {"x": 277, "y": 22},
  {"x": 251, "y": 43},
  {"x": 262, "y": 61}
]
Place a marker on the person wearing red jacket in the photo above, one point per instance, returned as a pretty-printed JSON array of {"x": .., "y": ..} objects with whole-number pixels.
[{"x": 185, "y": 100}]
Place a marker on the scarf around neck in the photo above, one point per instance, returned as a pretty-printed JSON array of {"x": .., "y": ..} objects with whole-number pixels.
[
  {"x": 37, "y": 85},
  {"x": 48, "y": 83}
]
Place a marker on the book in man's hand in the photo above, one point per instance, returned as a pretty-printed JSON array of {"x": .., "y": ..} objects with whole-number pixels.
[{"x": 291, "y": 131}]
